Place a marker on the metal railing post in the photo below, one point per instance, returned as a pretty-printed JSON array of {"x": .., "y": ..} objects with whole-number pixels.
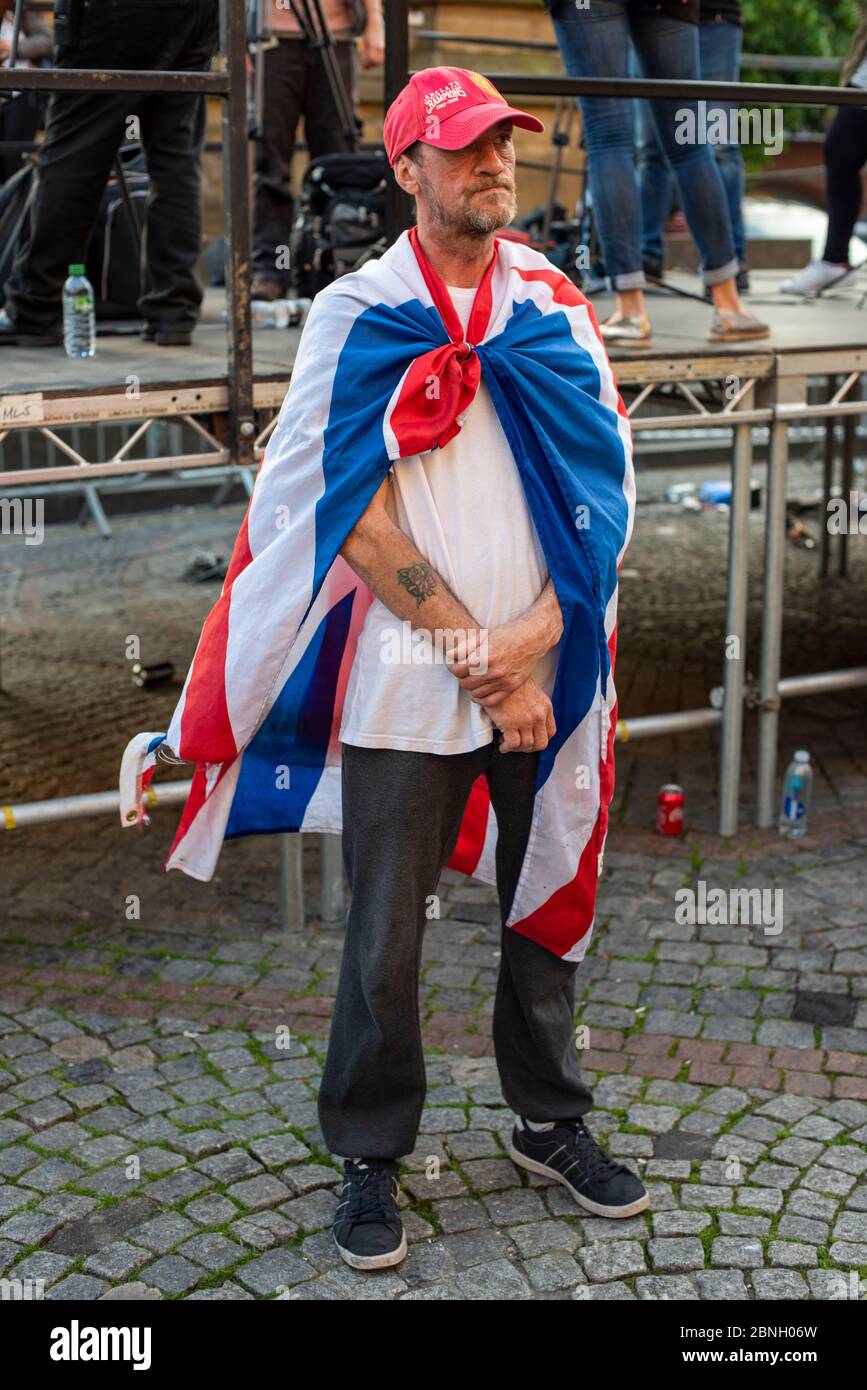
[
  {"x": 772, "y": 619},
  {"x": 398, "y": 207},
  {"x": 236, "y": 221},
  {"x": 736, "y": 625}
]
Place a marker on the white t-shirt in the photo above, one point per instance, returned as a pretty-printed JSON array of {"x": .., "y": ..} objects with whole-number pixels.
[{"x": 463, "y": 506}]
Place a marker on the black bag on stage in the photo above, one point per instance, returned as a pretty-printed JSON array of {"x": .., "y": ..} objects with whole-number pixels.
[{"x": 340, "y": 221}]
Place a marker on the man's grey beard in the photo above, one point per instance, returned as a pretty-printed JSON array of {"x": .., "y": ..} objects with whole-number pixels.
[{"x": 470, "y": 221}]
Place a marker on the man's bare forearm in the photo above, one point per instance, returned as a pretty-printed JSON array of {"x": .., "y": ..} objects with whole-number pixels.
[
  {"x": 400, "y": 576},
  {"x": 544, "y": 618}
]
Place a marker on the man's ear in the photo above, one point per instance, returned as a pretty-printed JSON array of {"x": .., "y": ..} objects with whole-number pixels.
[{"x": 405, "y": 175}]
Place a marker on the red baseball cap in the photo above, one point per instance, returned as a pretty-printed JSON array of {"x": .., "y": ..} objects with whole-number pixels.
[{"x": 447, "y": 107}]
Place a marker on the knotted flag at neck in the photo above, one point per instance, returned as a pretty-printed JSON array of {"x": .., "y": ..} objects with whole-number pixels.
[
  {"x": 442, "y": 382},
  {"x": 383, "y": 373}
]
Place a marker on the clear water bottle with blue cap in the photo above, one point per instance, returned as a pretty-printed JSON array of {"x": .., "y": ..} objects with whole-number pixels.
[
  {"x": 79, "y": 317},
  {"x": 797, "y": 790}
]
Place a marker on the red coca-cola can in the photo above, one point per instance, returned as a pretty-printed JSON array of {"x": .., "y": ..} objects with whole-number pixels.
[{"x": 669, "y": 810}]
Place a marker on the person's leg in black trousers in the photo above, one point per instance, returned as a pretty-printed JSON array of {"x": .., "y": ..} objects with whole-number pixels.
[
  {"x": 534, "y": 1005},
  {"x": 323, "y": 129},
  {"x": 173, "y": 133},
  {"x": 845, "y": 156},
  {"x": 401, "y": 819},
  {"x": 83, "y": 132},
  {"x": 285, "y": 85}
]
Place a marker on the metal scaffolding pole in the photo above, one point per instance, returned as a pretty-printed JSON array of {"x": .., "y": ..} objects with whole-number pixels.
[
  {"x": 736, "y": 626},
  {"x": 236, "y": 220},
  {"x": 772, "y": 622}
]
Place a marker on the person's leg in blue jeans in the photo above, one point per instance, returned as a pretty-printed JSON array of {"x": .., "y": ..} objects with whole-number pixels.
[
  {"x": 654, "y": 180},
  {"x": 594, "y": 43},
  {"x": 720, "y": 54}
]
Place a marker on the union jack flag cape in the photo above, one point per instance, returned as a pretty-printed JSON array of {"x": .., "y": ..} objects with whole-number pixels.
[{"x": 261, "y": 705}]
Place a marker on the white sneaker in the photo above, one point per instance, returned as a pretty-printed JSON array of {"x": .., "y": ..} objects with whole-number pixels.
[
  {"x": 631, "y": 330},
  {"x": 816, "y": 277}
]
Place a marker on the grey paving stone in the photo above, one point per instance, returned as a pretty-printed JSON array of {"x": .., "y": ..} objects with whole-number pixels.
[
  {"x": 269, "y": 1273},
  {"x": 680, "y": 1223},
  {"x": 803, "y": 1202},
  {"x": 162, "y": 1232},
  {"x": 178, "y": 1186},
  {"x": 846, "y": 1157},
  {"x": 116, "y": 1261},
  {"x": 732, "y": 1223},
  {"x": 77, "y": 1288},
  {"x": 307, "y": 1177},
  {"x": 834, "y": 1284},
  {"x": 768, "y": 1199},
  {"x": 849, "y": 1253},
  {"x": 664, "y": 1287},
  {"x": 172, "y": 1274},
  {"x": 821, "y": 1179},
  {"x": 788, "y": 1108},
  {"x": 463, "y": 1214},
  {"x": 227, "y": 1292},
  {"x": 496, "y": 1280},
  {"x": 515, "y": 1205},
  {"x": 52, "y": 1174},
  {"x": 779, "y": 1284},
  {"x": 213, "y": 1250},
  {"x": 676, "y": 1255},
  {"x": 792, "y": 1253},
  {"x": 544, "y": 1237},
  {"x": 596, "y": 1228},
  {"x": 476, "y": 1247},
  {"x": 612, "y": 1259},
  {"x": 705, "y": 1195},
  {"x": 230, "y": 1167},
  {"x": 774, "y": 1175},
  {"x": 278, "y": 1149},
  {"x": 615, "y": 1292},
  {"x": 851, "y": 1225},
  {"x": 721, "y": 1285},
  {"x": 262, "y": 1230},
  {"x": 736, "y": 1252},
  {"x": 29, "y": 1227},
  {"x": 556, "y": 1270},
  {"x": 42, "y": 1264},
  {"x": 669, "y": 1021}
]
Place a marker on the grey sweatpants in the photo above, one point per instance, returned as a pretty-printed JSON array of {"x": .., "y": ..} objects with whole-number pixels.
[{"x": 401, "y": 819}]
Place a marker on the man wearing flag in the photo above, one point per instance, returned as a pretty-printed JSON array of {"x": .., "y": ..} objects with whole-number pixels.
[{"x": 452, "y": 457}]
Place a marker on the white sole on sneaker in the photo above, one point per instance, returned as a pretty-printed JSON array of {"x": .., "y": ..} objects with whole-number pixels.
[
  {"x": 596, "y": 1208},
  {"x": 391, "y": 1257}
]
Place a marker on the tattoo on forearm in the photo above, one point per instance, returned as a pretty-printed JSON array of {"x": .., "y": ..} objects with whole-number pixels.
[{"x": 419, "y": 580}]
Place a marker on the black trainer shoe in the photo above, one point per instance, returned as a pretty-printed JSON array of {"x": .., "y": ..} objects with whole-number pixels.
[
  {"x": 167, "y": 337},
  {"x": 569, "y": 1153},
  {"x": 15, "y": 336},
  {"x": 367, "y": 1228}
]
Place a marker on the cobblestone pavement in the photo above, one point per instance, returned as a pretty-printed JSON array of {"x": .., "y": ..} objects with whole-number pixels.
[{"x": 157, "y": 1141}]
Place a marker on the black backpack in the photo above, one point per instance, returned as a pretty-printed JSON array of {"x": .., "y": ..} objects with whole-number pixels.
[{"x": 340, "y": 222}]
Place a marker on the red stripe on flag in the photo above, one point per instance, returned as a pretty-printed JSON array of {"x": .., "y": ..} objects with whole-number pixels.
[
  {"x": 206, "y": 729},
  {"x": 474, "y": 825}
]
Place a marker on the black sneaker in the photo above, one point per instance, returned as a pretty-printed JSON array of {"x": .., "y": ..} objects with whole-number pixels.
[
  {"x": 569, "y": 1153},
  {"x": 367, "y": 1228},
  {"x": 167, "y": 337},
  {"x": 16, "y": 336}
]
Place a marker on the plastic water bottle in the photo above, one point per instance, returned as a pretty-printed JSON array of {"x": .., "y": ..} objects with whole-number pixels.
[
  {"x": 797, "y": 790},
  {"x": 277, "y": 313},
  {"x": 79, "y": 319}
]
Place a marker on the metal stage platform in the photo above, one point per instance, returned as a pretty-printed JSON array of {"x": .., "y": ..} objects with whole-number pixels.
[{"x": 810, "y": 369}]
